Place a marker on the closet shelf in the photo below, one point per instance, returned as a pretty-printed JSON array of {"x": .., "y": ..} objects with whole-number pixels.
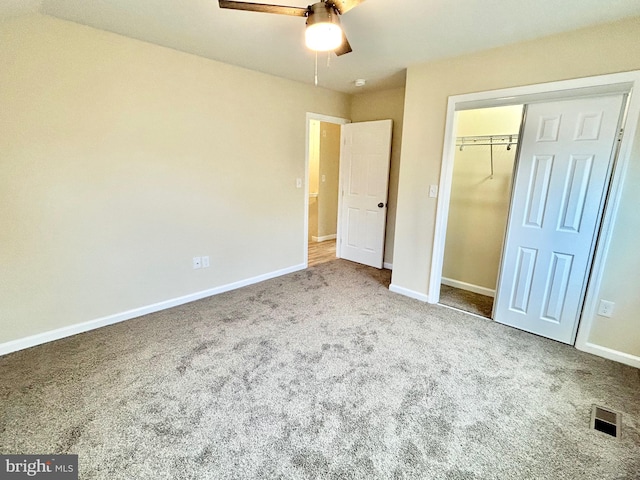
[{"x": 488, "y": 140}]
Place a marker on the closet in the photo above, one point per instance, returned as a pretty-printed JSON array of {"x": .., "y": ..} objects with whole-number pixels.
[{"x": 486, "y": 146}]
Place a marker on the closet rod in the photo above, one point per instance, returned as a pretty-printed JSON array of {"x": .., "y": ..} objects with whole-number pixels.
[{"x": 488, "y": 140}]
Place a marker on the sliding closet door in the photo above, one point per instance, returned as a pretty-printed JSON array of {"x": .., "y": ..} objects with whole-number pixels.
[{"x": 561, "y": 181}]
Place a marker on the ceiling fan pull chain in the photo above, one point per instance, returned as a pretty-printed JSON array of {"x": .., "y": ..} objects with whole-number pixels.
[{"x": 328, "y": 59}]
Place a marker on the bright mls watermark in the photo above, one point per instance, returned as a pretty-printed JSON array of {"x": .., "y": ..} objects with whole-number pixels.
[{"x": 50, "y": 467}]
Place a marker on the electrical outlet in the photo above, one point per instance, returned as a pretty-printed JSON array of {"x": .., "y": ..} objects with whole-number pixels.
[
  {"x": 605, "y": 309},
  {"x": 197, "y": 263},
  {"x": 205, "y": 262}
]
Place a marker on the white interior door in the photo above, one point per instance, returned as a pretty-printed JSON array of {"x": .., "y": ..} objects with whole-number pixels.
[
  {"x": 560, "y": 185},
  {"x": 364, "y": 181}
]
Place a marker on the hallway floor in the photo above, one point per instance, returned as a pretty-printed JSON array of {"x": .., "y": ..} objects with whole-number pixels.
[{"x": 321, "y": 252}]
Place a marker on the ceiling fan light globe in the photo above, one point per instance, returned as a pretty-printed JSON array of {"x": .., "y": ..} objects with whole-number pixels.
[{"x": 323, "y": 36}]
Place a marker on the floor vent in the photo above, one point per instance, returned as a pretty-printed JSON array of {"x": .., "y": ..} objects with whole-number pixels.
[{"x": 605, "y": 420}]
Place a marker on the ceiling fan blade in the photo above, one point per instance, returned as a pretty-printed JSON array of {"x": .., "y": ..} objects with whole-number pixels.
[
  {"x": 264, "y": 8},
  {"x": 343, "y": 6},
  {"x": 344, "y": 48}
]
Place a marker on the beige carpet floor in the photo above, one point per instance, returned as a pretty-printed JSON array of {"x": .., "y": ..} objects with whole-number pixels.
[{"x": 320, "y": 374}]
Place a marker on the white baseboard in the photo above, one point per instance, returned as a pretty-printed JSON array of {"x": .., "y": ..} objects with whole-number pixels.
[
  {"x": 387, "y": 265},
  {"x": 40, "y": 338},
  {"x": 409, "y": 293},
  {"x": 611, "y": 354},
  {"x": 323, "y": 238},
  {"x": 468, "y": 286}
]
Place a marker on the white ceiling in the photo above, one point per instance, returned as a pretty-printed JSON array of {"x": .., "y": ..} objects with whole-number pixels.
[{"x": 386, "y": 36}]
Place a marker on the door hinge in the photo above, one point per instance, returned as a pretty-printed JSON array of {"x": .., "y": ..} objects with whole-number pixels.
[{"x": 620, "y": 134}]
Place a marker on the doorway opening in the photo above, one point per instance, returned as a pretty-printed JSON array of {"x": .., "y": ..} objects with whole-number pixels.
[
  {"x": 346, "y": 188},
  {"x": 484, "y": 162},
  {"x": 324, "y": 170},
  {"x": 322, "y": 187}
]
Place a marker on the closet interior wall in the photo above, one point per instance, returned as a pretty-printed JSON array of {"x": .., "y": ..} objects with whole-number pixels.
[{"x": 479, "y": 202}]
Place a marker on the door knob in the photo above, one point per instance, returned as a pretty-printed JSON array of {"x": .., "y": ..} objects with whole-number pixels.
[{"x": 380, "y": 205}]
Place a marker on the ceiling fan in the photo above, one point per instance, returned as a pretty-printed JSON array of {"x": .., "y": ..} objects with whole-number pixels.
[{"x": 323, "y": 32}]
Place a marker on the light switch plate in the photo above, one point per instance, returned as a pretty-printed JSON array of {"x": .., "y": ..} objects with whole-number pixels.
[{"x": 433, "y": 191}]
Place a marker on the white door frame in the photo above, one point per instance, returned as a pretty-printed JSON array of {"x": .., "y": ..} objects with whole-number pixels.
[
  {"x": 323, "y": 118},
  {"x": 627, "y": 82}
]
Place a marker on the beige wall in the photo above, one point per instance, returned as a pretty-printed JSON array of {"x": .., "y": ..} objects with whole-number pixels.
[
  {"x": 381, "y": 106},
  {"x": 621, "y": 280},
  {"x": 329, "y": 170},
  {"x": 479, "y": 203},
  {"x": 122, "y": 160},
  {"x": 592, "y": 51}
]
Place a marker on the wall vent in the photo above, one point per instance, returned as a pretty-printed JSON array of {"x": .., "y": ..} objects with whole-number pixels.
[{"x": 605, "y": 420}]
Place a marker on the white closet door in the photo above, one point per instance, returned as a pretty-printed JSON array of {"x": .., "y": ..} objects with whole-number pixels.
[{"x": 561, "y": 180}]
